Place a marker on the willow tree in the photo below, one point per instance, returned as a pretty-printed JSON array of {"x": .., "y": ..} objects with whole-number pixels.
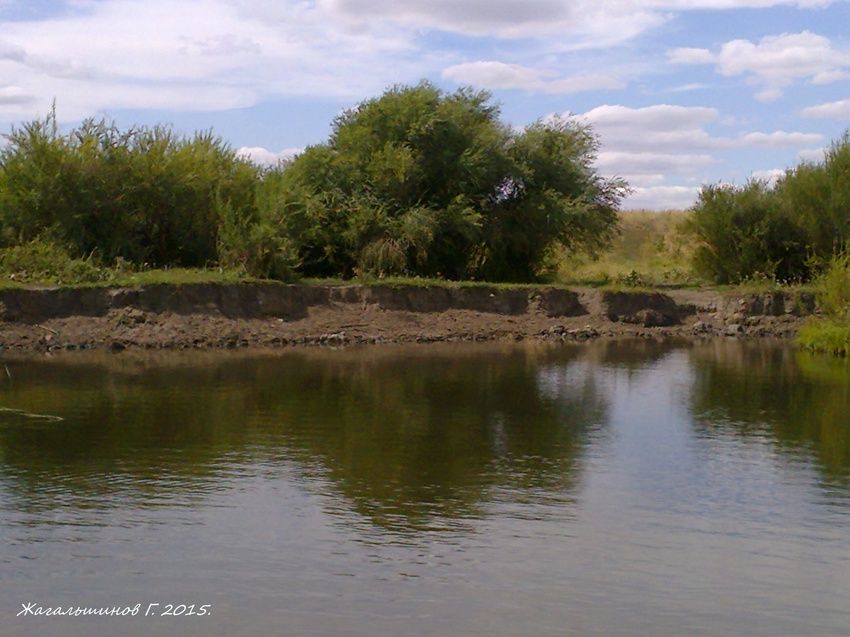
[{"x": 423, "y": 182}]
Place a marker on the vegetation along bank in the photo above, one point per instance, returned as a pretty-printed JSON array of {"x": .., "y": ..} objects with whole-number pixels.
[{"x": 415, "y": 184}]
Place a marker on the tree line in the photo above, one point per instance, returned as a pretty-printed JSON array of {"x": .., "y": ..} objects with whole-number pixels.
[{"x": 415, "y": 182}]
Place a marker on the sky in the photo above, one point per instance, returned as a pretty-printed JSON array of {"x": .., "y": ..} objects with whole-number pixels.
[{"x": 680, "y": 93}]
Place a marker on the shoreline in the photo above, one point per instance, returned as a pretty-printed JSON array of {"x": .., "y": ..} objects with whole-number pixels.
[{"x": 273, "y": 315}]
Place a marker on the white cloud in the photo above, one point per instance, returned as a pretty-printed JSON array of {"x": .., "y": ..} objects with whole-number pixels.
[
  {"x": 498, "y": 75},
  {"x": 812, "y": 154},
  {"x": 654, "y": 147},
  {"x": 670, "y": 128},
  {"x": 624, "y": 163},
  {"x": 575, "y": 23},
  {"x": 660, "y": 127},
  {"x": 194, "y": 55},
  {"x": 662, "y": 198},
  {"x": 15, "y": 95},
  {"x": 832, "y": 110},
  {"x": 779, "y": 139},
  {"x": 770, "y": 177},
  {"x": 775, "y": 63},
  {"x": 265, "y": 157}
]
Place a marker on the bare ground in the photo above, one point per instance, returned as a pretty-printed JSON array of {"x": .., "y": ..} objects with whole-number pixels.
[{"x": 200, "y": 317}]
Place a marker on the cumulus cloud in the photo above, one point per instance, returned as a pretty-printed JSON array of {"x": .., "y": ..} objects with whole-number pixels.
[
  {"x": 775, "y": 62},
  {"x": 770, "y": 177},
  {"x": 778, "y": 139},
  {"x": 576, "y": 23},
  {"x": 265, "y": 157},
  {"x": 15, "y": 95},
  {"x": 812, "y": 154},
  {"x": 661, "y": 198},
  {"x": 653, "y": 146},
  {"x": 204, "y": 54},
  {"x": 636, "y": 164},
  {"x": 671, "y": 128},
  {"x": 832, "y": 110},
  {"x": 498, "y": 75}
]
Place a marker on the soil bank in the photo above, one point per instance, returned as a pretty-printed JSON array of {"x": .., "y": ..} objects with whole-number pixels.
[{"x": 202, "y": 316}]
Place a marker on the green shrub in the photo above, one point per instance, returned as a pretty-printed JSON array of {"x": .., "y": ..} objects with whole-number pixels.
[
  {"x": 832, "y": 332},
  {"x": 786, "y": 233},
  {"x": 743, "y": 233},
  {"x": 817, "y": 197},
  {"x": 252, "y": 242},
  {"x": 42, "y": 261},
  {"x": 421, "y": 182},
  {"x": 145, "y": 195}
]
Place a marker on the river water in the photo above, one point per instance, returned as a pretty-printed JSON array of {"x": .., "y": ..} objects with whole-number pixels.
[{"x": 609, "y": 489}]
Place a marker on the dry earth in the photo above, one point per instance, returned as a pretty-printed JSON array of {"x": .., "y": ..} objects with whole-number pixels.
[{"x": 275, "y": 315}]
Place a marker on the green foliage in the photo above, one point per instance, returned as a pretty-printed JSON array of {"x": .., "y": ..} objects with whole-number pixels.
[
  {"x": 144, "y": 195},
  {"x": 817, "y": 196},
  {"x": 743, "y": 233},
  {"x": 250, "y": 240},
  {"x": 788, "y": 232},
  {"x": 415, "y": 182},
  {"x": 825, "y": 336},
  {"x": 834, "y": 289},
  {"x": 41, "y": 261},
  {"x": 831, "y": 334},
  {"x": 421, "y": 182}
]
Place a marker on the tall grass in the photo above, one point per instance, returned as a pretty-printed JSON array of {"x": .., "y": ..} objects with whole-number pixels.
[
  {"x": 651, "y": 249},
  {"x": 831, "y": 333}
]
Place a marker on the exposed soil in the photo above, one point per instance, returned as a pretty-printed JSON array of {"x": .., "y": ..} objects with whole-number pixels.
[{"x": 275, "y": 315}]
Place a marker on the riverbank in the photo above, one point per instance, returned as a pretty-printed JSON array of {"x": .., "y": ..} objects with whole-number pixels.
[{"x": 205, "y": 316}]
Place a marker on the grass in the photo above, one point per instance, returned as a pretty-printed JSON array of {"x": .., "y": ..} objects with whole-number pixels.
[
  {"x": 42, "y": 263},
  {"x": 825, "y": 336},
  {"x": 831, "y": 333},
  {"x": 650, "y": 251}
]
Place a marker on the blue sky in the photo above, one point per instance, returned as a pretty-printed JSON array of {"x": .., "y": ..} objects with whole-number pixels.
[{"x": 680, "y": 92}]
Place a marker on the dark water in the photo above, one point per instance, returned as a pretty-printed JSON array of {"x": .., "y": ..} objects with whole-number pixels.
[{"x": 604, "y": 490}]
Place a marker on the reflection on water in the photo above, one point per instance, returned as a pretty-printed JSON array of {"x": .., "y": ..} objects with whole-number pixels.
[
  {"x": 406, "y": 437},
  {"x": 619, "y": 488}
]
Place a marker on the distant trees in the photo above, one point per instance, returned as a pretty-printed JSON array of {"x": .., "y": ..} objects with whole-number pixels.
[{"x": 790, "y": 231}]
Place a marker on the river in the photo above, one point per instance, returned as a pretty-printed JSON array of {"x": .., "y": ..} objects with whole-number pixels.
[{"x": 617, "y": 488}]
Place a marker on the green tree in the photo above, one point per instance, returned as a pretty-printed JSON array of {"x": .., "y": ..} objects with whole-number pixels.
[{"x": 430, "y": 183}]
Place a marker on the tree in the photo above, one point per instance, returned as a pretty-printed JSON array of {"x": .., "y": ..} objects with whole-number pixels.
[{"x": 424, "y": 182}]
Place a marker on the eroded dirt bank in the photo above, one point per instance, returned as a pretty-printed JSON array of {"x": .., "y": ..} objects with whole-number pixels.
[{"x": 273, "y": 315}]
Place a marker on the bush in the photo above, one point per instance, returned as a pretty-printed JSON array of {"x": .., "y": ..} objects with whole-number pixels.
[
  {"x": 817, "y": 197},
  {"x": 743, "y": 233},
  {"x": 145, "y": 195},
  {"x": 788, "y": 232},
  {"x": 43, "y": 261},
  {"x": 421, "y": 182},
  {"x": 831, "y": 334}
]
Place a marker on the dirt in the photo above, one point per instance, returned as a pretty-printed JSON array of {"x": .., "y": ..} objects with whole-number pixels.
[{"x": 277, "y": 315}]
